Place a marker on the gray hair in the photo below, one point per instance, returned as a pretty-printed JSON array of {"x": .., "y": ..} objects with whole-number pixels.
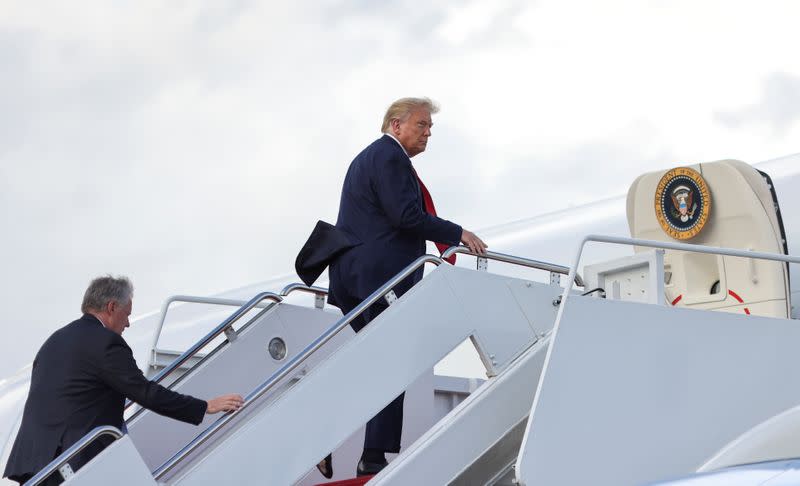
[
  {"x": 105, "y": 289},
  {"x": 400, "y": 109}
]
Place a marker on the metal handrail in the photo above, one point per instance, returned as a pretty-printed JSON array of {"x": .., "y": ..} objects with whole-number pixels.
[
  {"x": 221, "y": 328},
  {"x": 293, "y": 364},
  {"x": 68, "y": 454},
  {"x": 298, "y": 287},
  {"x": 669, "y": 246},
  {"x": 193, "y": 300},
  {"x": 525, "y": 262},
  {"x": 319, "y": 292}
]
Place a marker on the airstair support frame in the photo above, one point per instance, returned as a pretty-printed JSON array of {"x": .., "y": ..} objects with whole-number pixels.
[
  {"x": 629, "y": 361},
  {"x": 404, "y": 342},
  {"x": 486, "y": 429}
]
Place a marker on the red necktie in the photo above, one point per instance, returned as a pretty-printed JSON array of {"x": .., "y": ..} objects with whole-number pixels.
[{"x": 431, "y": 209}]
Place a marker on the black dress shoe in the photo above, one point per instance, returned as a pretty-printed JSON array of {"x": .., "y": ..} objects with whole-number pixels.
[
  {"x": 325, "y": 466},
  {"x": 366, "y": 468}
]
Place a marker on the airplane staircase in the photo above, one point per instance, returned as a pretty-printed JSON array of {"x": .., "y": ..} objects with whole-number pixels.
[
  {"x": 503, "y": 317},
  {"x": 633, "y": 393},
  {"x": 312, "y": 402},
  {"x": 255, "y": 343}
]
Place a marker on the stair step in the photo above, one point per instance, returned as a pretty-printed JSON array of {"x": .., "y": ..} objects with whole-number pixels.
[{"x": 349, "y": 482}]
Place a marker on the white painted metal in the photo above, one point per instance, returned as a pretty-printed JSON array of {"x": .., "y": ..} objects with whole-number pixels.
[
  {"x": 404, "y": 342},
  {"x": 637, "y": 278},
  {"x": 485, "y": 419},
  {"x": 449, "y": 391},
  {"x": 419, "y": 415},
  {"x": 427, "y": 400},
  {"x": 637, "y": 392},
  {"x": 120, "y": 465},
  {"x": 496, "y": 304},
  {"x": 236, "y": 368}
]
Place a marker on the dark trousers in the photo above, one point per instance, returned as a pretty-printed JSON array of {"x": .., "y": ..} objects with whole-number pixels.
[{"x": 384, "y": 429}]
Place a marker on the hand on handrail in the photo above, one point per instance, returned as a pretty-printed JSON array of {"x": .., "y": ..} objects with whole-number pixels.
[
  {"x": 515, "y": 260},
  {"x": 475, "y": 244},
  {"x": 227, "y": 323},
  {"x": 225, "y": 403}
]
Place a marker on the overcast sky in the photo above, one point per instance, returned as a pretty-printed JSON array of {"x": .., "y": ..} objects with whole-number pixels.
[{"x": 192, "y": 145}]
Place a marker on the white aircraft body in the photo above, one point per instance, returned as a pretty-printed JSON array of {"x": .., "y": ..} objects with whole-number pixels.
[{"x": 558, "y": 404}]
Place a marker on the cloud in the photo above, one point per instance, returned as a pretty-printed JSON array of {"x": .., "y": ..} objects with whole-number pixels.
[
  {"x": 478, "y": 23},
  {"x": 192, "y": 145},
  {"x": 778, "y": 106}
]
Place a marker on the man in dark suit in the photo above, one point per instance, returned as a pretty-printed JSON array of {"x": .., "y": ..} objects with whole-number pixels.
[
  {"x": 80, "y": 379},
  {"x": 387, "y": 214}
]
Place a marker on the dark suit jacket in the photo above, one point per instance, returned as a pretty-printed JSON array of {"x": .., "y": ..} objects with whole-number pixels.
[
  {"x": 382, "y": 211},
  {"x": 324, "y": 245},
  {"x": 80, "y": 379}
]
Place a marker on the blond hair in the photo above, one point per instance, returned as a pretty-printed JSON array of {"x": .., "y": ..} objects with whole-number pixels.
[{"x": 400, "y": 109}]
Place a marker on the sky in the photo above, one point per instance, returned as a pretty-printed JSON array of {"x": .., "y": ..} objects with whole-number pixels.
[{"x": 192, "y": 145}]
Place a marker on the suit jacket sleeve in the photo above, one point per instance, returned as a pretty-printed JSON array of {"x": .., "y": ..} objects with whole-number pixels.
[
  {"x": 397, "y": 191},
  {"x": 120, "y": 372}
]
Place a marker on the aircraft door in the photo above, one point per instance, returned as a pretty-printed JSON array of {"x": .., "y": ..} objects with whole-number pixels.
[{"x": 727, "y": 204}]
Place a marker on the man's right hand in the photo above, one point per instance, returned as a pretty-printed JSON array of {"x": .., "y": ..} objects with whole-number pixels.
[
  {"x": 473, "y": 242},
  {"x": 225, "y": 403}
]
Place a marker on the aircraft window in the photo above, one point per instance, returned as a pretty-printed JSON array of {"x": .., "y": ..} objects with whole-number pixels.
[{"x": 714, "y": 288}]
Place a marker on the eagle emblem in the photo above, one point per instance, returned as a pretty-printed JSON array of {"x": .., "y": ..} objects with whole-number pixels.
[{"x": 682, "y": 203}]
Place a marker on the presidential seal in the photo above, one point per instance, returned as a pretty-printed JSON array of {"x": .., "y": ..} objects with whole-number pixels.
[{"x": 683, "y": 203}]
